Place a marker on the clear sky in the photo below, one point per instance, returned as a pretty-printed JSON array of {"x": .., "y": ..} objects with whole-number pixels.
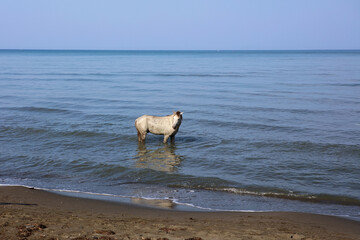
[{"x": 180, "y": 24}]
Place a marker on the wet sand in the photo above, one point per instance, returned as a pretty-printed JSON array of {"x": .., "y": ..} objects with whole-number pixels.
[{"x": 35, "y": 214}]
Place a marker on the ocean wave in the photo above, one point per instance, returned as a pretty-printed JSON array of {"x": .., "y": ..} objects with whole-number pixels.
[
  {"x": 114, "y": 74},
  {"x": 316, "y": 198},
  {"x": 73, "y": 74},
  {"x": 212, "y": 75},
  {"x": 282, "y": 194},
  {"x": 345, "y": 84},
  {"x": 56, "y": 134},
  {"x": 247, "y": 125},
  {"x": 22, "y": 130},
  {"x": 309, "y": 146},
  {"x": 39, "y": 109},
  {"x": 274, "y": 110}
]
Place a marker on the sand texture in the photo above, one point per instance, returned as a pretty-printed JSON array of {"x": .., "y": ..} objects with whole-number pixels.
[{"x": 34, "y": 214}]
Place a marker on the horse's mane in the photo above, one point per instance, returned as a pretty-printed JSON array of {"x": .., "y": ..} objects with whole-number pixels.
[{"x": 177, "y": 113}]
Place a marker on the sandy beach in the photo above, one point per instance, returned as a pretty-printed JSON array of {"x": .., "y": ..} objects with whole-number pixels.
[{"x": 35, "y": 214}]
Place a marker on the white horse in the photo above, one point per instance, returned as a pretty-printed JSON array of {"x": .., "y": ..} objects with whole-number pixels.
[{"x": 167, "y": 126}]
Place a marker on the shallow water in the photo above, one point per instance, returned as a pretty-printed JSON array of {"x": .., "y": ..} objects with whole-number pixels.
[{"x": 262, "y": 130}]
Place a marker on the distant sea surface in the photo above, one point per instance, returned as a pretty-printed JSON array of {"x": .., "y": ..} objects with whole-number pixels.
[{"x": 262, "y": 130}]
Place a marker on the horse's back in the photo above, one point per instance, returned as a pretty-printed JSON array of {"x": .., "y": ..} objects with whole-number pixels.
[
  {"x": 157, "y": 125},
  {"x": 153, "y": 124},
  {"x": 145, "y": 120}
]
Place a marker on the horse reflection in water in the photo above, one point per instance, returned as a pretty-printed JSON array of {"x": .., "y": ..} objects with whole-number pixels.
[
  {"x": 160, "y": 159},
  {"x": 159, "y": 203}
]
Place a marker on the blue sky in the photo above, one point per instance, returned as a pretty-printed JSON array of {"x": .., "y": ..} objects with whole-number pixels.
[{"x": 180, "y": 24}]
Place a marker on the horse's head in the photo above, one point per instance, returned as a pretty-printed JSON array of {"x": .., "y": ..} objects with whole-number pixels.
[{"x": 177, "y": 116}]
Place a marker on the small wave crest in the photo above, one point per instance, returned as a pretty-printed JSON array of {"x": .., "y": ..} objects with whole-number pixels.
[
  {"x": 40, "y": 109},
  {"x": 212, "y": 75},
  {"x": 309, "y": 146},
  {"x": 247, "y": 125},
  {"x": 22, "y": 131},
  {"x": 315, "y": 198}
]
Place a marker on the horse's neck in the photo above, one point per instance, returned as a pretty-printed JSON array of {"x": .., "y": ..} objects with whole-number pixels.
[{"x": 171, "y": 118}]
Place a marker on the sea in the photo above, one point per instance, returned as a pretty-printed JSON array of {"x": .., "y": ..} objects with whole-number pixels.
[{"x": 261, "y": 130}]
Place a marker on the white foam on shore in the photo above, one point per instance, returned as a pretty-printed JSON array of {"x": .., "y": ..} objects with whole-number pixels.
[
  {"x": 212, "y": 209},
  {"x": 188, "y": 206}
]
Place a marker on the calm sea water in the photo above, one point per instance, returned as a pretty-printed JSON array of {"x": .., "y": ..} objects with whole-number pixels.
[{"x": 262, "y": 130}]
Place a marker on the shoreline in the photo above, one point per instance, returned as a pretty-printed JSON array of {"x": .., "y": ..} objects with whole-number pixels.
[
  {"x": 27, "y": 213},
  {"x": 174, "y": 205}
]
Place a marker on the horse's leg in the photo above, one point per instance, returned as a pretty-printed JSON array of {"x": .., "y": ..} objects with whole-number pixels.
[
  {"x": 139, "y": 135},
  {"x": 143, "y": 136},
  {"x": 172, "y": 139},
  {"x": 166, "y": 138}
]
